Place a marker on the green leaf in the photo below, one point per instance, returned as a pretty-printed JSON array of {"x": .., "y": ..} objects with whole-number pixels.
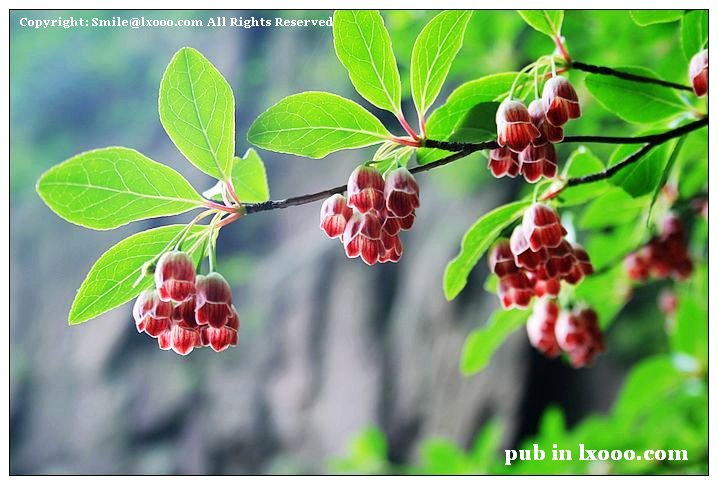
[
  {"x": 477, "y": 125},
  {"x": 197, "y": 111},
  {"x": 633, "y": 101},
  {"x": 691, "y": 319},
  {"x": 315, "y": 124},
  {"x": 364, "y": 48},
  {"x": 545, "y": 21},
  {"x": 442, "y": 122},
  {"x": 434, "y": 51},
  {"x": 475, "y": 243},
  {"x": 111, "y": 281},
  {"x": 613, "y": 208},
  {"x": 694, "y": 32},
  {"x": 481, "y": 343},
  {"x": 109, "y": 187},
  {"x": 665, "y": 173},
  {"x": 582, "y": 162},
  {"x": 653, "y": 378},
  {"x": 249, "y": 178},
  {"x": 641, "y": 177},
  {"x": 650, "y": 17},
  {"x": 606, "y": 292}
]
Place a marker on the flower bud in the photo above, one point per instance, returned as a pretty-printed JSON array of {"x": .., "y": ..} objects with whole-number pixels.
[
  {"x": 549, "y": 133},
  {"x": 174, "y": 276},
  {"x": 214, "y": 300},
  {"x": 334, "y": 215},
  {"x": 514, "y": 127},
  {"x": 503, "y": 161},
  {"x": 151, "y": 314},
  {"x": 560, "y": 101},
  {"x": 365, "y": 189},
  {"x": 698, "y": 72},
  {"x": 401, "y": 193}
]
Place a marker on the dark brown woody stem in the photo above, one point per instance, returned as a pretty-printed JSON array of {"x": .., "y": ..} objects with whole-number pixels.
[{"x": 464, "y": 149}]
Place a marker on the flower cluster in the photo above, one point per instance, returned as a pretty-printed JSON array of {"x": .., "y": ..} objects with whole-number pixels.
[
  {"x": 527, "y": 135},
  {"x": 369, "y": 219},
  {"x": 536, "y": 259},
  {"x": 698, "y": 72},
  {"x": 664, "y": 255},
  {"x": 551, "y": 330},
  {"x": 184, "y": 310}
]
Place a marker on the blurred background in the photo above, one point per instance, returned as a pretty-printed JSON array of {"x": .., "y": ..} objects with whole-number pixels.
[{"x": 340, "y": 367}]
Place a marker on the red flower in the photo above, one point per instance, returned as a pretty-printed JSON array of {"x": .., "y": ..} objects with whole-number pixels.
[
  {"x": 542, "y": 227},
  {"x": 214, "y": 300},
  {"x": 549, "y": 132},
  {"x": 174, "y": 277},
  {"x": 221, "y": 338},
  {"x": 698, "y": 72},
  {"x": 537, "y": 161},
  {"x": 524, "y": 256},
  {"x": 184, "y": 314},
  {"x": 540, "y": 327},
  {"x": 151, "y": 314},
  {"x": 637, "y": 267},
  {"x": 184, "y": 340},
  {"x": 334, "y": 215},
  {"x": 593, "y": 342},
  {"x": 514, "y": 127},
  {"x": 401, "y": 193},
  {"x": 560, "y": 100},
  {"x": 365, "y": 189},
  {"x": 548, "y": 287},
  {"x": 561, "y": 260},
  {"x": 515, "y": 291},
  {"x": 164, "y": 340},
  {"x": 392, "y": 248},
  {"x": 501, "y": 259},
  {"x": 503, "y": 161},
  {"x": 570, "y": 332},
  {"x": 362, "y": 237}
]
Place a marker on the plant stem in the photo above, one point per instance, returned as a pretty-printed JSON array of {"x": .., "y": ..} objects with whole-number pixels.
[
  {"x": 462, "y": 150},
  {"x": 582, "y": 66},
  {"x": 629, "y": 140}
]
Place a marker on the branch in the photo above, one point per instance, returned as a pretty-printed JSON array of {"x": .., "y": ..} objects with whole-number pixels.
[
  {"x": 464, "y": 149},
  {"x": 581, "y": 66},
  {"x": 308, "y": 198},
  {"x": 626, "y": 140},
  {"x": 604, "y": 174}
]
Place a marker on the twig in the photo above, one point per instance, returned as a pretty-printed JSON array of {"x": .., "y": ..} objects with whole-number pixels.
[
  {"x": 582, "y": 66},
  {"x": 464, "y": 149}
]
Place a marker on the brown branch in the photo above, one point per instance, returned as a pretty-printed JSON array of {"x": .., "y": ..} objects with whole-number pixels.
[
  {"x": 582, "y": 66},
  {"x": 464, "y": 149}
]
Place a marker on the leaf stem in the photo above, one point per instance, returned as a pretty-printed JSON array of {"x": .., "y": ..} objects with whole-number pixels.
[{"x": 407, "y": 127}]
